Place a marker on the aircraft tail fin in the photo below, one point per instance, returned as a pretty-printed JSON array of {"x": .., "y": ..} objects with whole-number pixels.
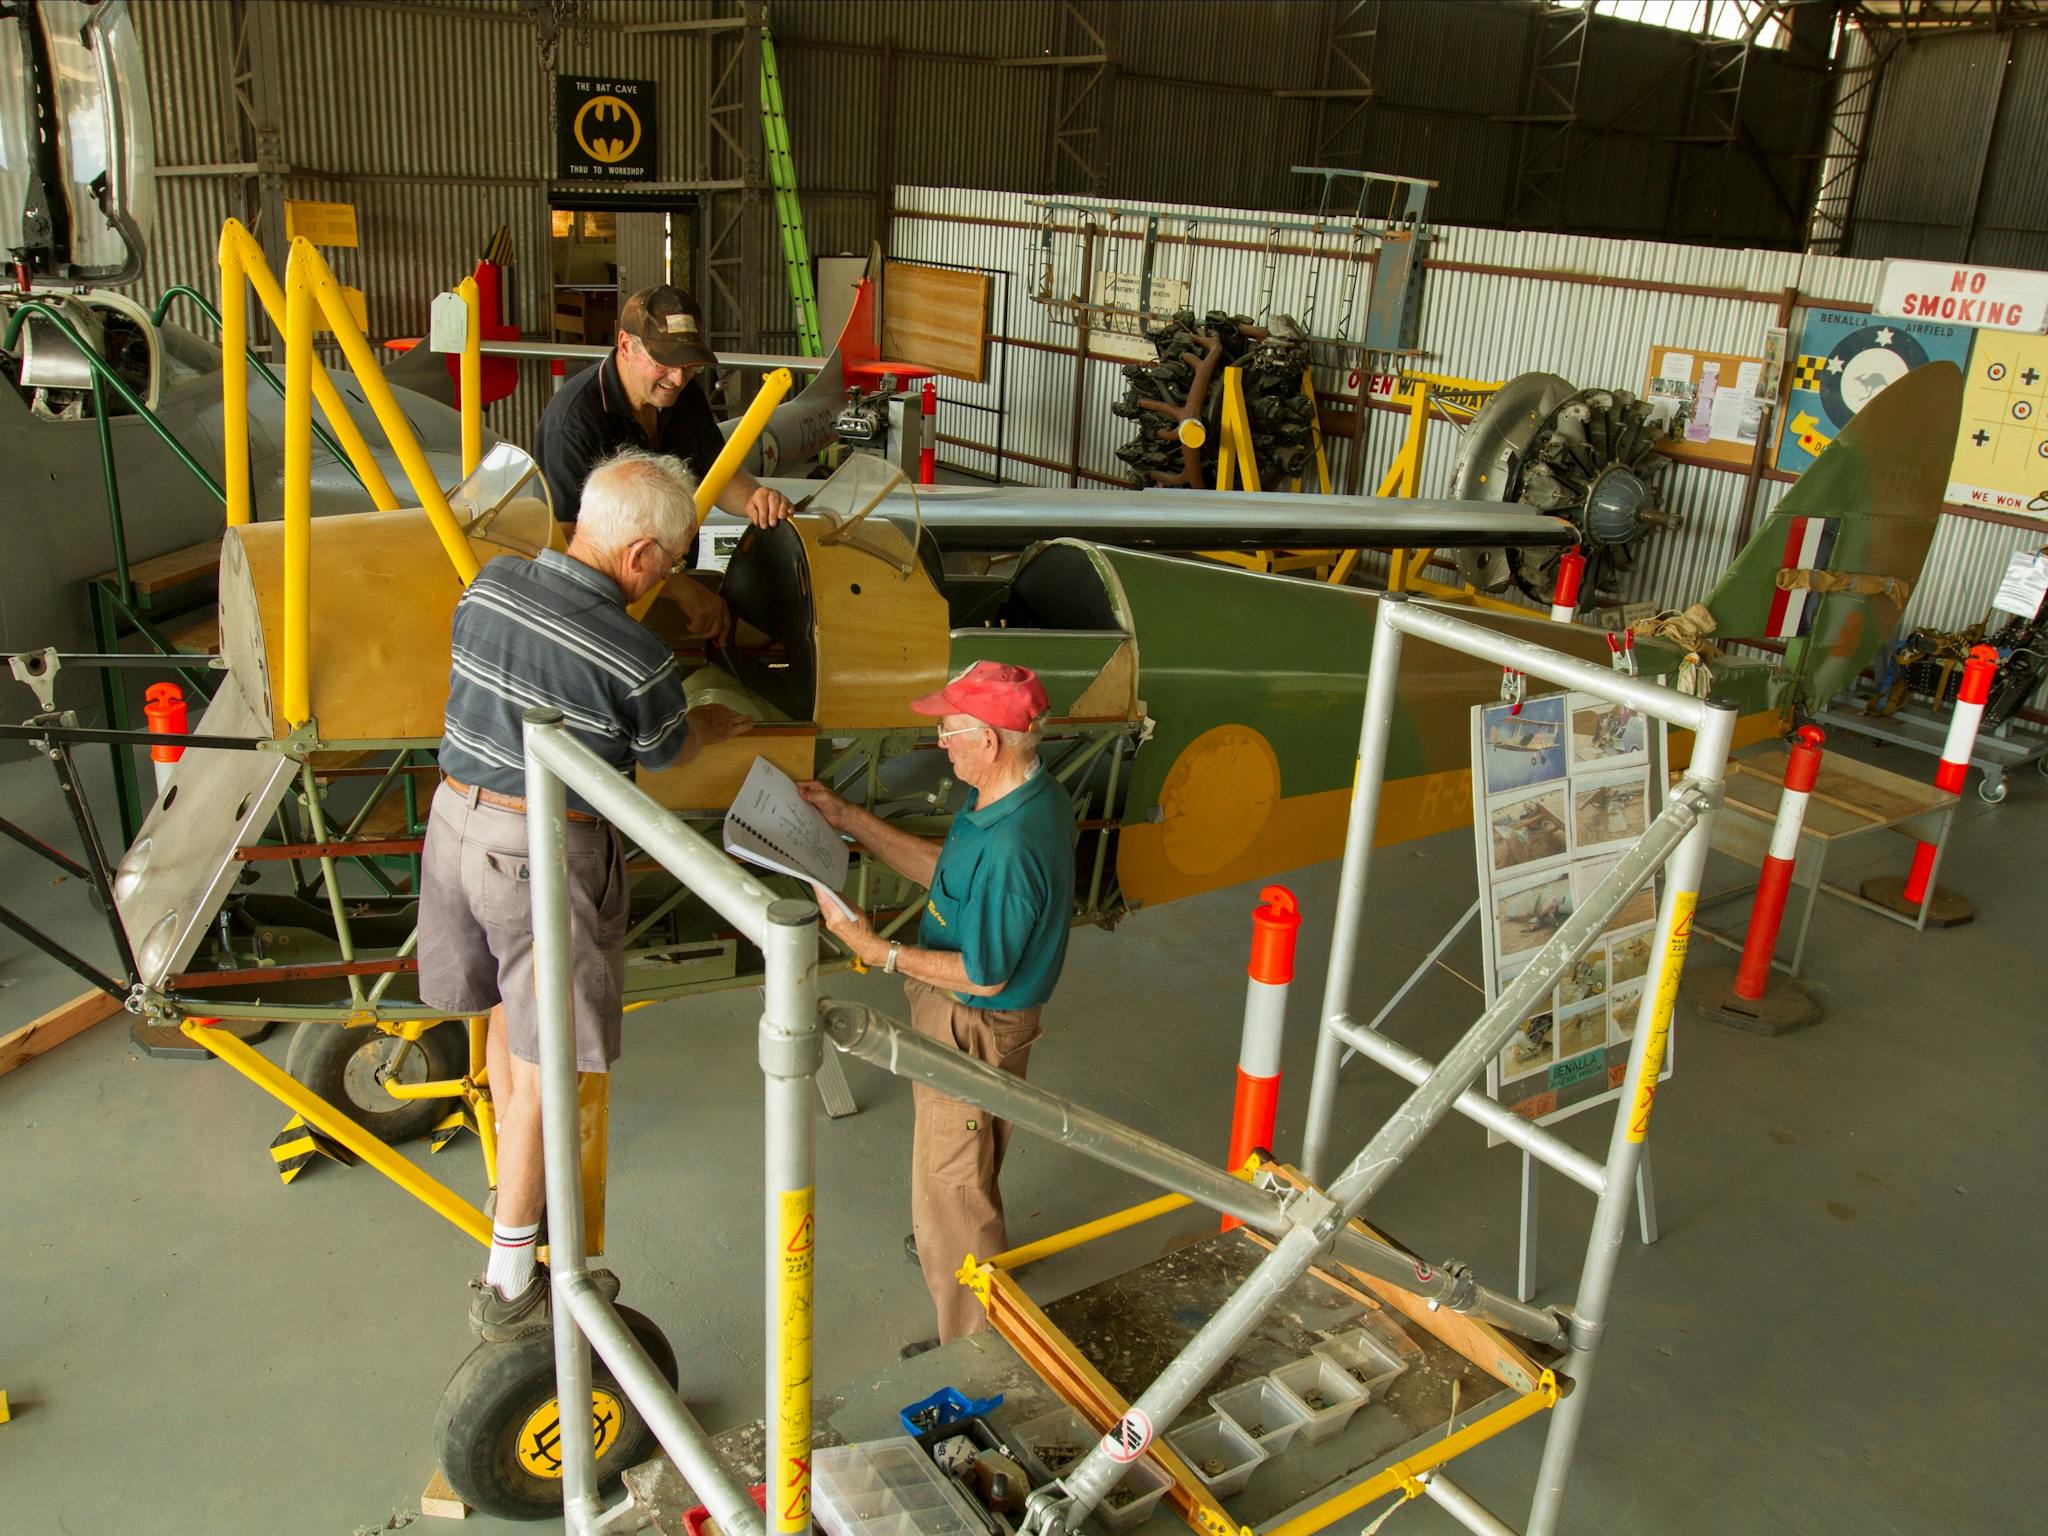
[{"x": 1830, "y": 570}]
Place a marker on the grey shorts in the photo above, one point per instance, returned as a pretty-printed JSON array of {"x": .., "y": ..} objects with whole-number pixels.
[{"x": 476, "y": 925}]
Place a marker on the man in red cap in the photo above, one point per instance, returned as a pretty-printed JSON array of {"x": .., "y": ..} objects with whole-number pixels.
[{"x": 988, "y": 953}]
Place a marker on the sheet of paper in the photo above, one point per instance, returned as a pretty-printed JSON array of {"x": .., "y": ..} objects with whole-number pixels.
[
  {"x": 1735, "y": 416},
  {"x": 1676, "y": 365},
  {"x": 771, "y": 825},
  {"x": 1748, "y": 376},
  {"x": 2025, "y": 584}
]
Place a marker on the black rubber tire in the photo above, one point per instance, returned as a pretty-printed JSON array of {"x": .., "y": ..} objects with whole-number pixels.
[
  {"x": 319, "y": 1058},
  {"x": 490, "y": 1430}
]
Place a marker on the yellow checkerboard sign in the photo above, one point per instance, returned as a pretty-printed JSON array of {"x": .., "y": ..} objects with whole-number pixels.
[{"x": 1807, "y": 374}]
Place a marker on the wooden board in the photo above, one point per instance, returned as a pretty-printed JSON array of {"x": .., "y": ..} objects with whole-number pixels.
[
  {"x": 712, "y": 777},
  {"x": 1481, "y": 1343},
  {"x": 174, "y": 569},
  {"x": 880, "y": 633},
  {"x": 55, "y": 1027},
  {"x": 1691, "y": 365},
  {"x": 383, "y": 596},
  {"x": 937, "y": 318}
]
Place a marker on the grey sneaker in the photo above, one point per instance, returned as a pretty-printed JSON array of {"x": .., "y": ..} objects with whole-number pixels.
[{"x": 497, "y": 1320}]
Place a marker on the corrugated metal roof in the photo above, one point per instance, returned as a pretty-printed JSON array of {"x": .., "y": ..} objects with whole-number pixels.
[{"x": 1927, "y": 140}]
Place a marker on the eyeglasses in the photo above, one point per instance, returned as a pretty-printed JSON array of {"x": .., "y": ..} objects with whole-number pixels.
[
  {"x": 677, "y": 565},
  {"x": 964, "y": 730}
]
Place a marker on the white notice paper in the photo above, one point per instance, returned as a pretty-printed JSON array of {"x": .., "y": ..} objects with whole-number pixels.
[
  {"x": 2025, "y": 584},
  {"x": 1676, "y": 366},
  {"x": 771, "y": 825},
  {"x": 1747, "y": 375},
  {"x": 1735, "y": 416}
]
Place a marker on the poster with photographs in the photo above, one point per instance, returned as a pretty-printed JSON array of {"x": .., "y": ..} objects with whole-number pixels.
[{"x": 1564, "y": 786}]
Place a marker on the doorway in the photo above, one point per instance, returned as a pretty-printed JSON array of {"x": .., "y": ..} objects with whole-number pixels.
[{"x": 602, "y": 249}]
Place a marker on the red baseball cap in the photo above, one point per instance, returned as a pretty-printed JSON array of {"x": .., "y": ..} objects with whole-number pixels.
[{"x": 1010, "y": 698}]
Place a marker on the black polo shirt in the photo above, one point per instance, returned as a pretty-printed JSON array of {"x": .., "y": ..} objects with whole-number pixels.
[{"x": 590, "y": 418}]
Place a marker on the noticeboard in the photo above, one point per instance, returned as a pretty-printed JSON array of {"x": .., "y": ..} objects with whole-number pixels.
[
  {"x": 1712, "y": 403},
  {"x": 1560, "y": 792},
  {"x": 606, "y": 130}
]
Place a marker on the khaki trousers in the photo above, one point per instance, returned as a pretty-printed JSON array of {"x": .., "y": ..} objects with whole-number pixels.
[{"x": 957, "y": 1151}]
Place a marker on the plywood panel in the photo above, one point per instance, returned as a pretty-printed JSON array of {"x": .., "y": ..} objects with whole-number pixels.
[
  {"x": 937, "y": 318},
  {"x": 710, "y": 779},
  {"x": 881, "y": 632}
]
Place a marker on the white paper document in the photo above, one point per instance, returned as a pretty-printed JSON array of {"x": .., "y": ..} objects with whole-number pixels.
[
  {"x": 771, "y": 825},
  {"x": 2025, "y": 584}
]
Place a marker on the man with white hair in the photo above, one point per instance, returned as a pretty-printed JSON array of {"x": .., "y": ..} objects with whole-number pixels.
[
  {"x": 988, "y": 954},
  {"x": 552, "y": 631}
]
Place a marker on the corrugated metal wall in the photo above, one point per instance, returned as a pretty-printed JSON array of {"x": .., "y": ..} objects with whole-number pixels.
[
  {"x": 1476, "y": 324},
  {"x": 435, "y": 119},
  {"x": 1956, "y": 164}
]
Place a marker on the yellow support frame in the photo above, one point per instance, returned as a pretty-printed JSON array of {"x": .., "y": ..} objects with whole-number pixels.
[
  {"x": 1028, "y": 1330},
  {"x": 241, "y": 261},
  {"x": 472, "y": 376},
  {"x": 1235, "y": 458}
]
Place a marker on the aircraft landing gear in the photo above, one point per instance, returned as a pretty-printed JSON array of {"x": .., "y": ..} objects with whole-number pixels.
[
  {"x": 499, "y": 1427},
  {"x": 349, "y": 1067}
]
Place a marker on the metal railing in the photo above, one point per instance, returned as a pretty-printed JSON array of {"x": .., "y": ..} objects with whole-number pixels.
[
  {"x": 790, "y": 1049},
  {"x": 1303, "y": 1223}
]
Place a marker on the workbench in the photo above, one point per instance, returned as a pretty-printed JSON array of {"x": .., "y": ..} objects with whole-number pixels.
[
  {"x": 1130, "y": 1327},
  {"x": 1851, "y": 802}
]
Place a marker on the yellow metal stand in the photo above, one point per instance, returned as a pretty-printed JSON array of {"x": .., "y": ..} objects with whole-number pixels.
[{"x": 1043, "y": 1346}]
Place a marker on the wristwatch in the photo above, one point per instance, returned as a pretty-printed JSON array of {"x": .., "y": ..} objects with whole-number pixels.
[{"x": 889, "y": 965}]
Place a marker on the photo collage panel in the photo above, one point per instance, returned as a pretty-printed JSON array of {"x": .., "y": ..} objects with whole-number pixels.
[{"x": 1566, "y": 787}]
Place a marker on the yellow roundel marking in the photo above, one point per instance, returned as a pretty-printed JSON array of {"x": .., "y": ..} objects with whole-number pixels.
[
  {"x": 1217, "y": 797},
  {"x": 601, "y": 126},
  {"x": 539, "y": 1446}
]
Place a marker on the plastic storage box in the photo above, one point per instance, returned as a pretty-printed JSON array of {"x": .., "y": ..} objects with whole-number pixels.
[
  {"x": 1370, "y": 1360},
  {"x": 886, "y": 1488},
  {"x": 1325, "y": 1391},
  {"x": 1264, "y": 1410},
  {"x": 1054, "y": 1441},
  {"x": 1215, "y": 1441},
  {"x": 946, "y": 1406}
]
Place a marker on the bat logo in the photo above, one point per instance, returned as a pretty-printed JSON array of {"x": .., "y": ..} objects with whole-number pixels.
[{"x": 606, "y": 129}]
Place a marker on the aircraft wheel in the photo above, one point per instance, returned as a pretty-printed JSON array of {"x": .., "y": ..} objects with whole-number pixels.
[
  {"x": 498, "y": 1430},
  {"x": 1991, "y": 790},
  {"x": 348, "y": 1067}
]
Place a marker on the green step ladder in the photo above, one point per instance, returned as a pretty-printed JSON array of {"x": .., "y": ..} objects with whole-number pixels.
[{"x": 789, "y": 214}]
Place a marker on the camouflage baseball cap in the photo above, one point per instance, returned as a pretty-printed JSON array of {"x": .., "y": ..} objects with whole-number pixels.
[{"x": 670, "y": 325}]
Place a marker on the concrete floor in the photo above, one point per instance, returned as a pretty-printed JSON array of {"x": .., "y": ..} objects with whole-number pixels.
[{"x": 190, "y": 1347}]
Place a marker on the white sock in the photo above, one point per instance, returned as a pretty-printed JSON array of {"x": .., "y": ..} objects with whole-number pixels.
[{"x": 512, "y": 1254}]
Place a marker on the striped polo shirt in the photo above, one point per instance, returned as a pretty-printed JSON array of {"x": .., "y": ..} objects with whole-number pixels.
[{"x": 553, "y": 632}]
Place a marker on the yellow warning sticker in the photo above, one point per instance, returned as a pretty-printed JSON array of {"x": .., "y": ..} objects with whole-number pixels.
[
  {"x": 1682, "y": 903},
  {"x": 796, "y": 1244}
]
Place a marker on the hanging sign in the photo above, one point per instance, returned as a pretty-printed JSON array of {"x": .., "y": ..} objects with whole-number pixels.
[
  {"x": 605, "y": 130},
  {"x": 1991, "y": 298}
]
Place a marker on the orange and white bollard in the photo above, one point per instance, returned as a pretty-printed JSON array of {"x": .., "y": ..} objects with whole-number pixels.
[
  {"x": 1954, "y": 769},
  {"x": 1276, "y": 921},
  {"x": 928, "y": 442},
  {"x": 163, "y": 706},
  {"x": 558, "y": 371},
  {"x": 1748, "y": 1001},
  {"x": 1945, "y": 909},
  {"x": 1775, "y": 882},
  {"x": 1571, "y": 570}
]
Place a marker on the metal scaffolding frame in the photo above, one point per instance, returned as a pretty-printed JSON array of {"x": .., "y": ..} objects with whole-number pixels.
[
  {"x": 732, "y": 202},
  {"x": 1550, "y": 118},
  {"x": 1302, "y": 1222},
  {"x": 1858, "y": 76},
  {"x": 1080, "y": 140},
  {"x": 1346, "y": 94}
]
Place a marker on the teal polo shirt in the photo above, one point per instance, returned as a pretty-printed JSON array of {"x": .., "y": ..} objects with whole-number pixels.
[{"x": 1003, "y": 895}]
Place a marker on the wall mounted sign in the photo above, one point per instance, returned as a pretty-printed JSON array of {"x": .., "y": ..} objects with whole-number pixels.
[
  {"x": 1990, "y": 298},
  {"x": 605, "y": 130}
]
